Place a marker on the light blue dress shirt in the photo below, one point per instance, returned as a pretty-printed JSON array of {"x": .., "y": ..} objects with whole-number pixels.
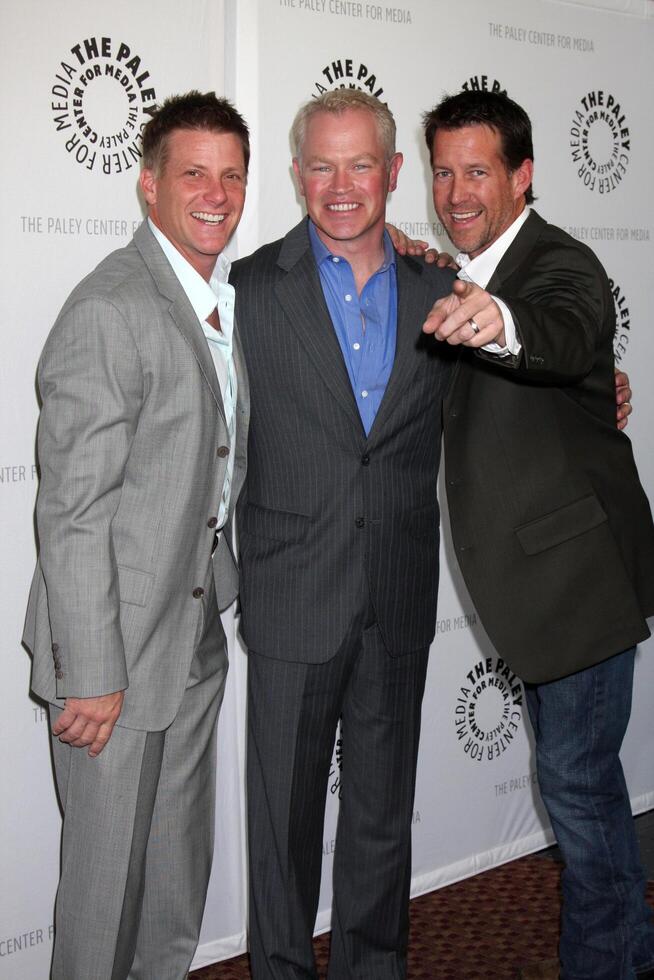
[{"x": 366, "y": 325}]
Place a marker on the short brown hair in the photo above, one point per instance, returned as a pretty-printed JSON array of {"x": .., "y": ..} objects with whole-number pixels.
[
  {"x": 192, "y": 110},
  {"x": 493, "y": 109}
]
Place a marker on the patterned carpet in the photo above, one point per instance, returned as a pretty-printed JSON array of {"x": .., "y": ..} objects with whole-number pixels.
[{"x": 482, "y": 928}]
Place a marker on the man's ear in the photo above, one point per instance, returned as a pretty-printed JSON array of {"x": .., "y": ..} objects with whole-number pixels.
[
  {"x": 148, "y": 183},
  {"x": 395, "y": 165},
  {"x": 298, "y": 175},
  {"x": 522, "y": 178}
]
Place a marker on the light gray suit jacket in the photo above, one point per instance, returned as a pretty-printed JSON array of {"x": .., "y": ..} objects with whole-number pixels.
[{"x": 132, "y": 448}]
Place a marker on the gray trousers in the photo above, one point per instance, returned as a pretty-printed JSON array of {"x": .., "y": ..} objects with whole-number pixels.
[{"x": 137, "y": 838}]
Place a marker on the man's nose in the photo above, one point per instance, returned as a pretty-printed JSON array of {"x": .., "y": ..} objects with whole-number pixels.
[
  {"x": 458, "y": 189},
  {"x": 341, "y": 180},
  {"x": 215, "y": 191}
]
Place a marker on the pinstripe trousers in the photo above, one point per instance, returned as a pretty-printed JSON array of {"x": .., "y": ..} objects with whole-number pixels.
[{"x": 293, "y": 713}]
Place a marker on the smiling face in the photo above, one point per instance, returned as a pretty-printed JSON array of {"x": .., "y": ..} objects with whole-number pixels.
[
  {"x": 196, "y": 199},
  {"x": 345, "y": 177},
  {"x": 475, "y": 195}
]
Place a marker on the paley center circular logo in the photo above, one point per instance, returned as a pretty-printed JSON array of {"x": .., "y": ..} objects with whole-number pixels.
[
  {"x": 336, "y": 768},
  {"x": 102, "y": 96},
  {"x": 348, "y": 73},
  {"x": 488, "y": 709},
  {"x": 600, "y": 144},
  {"x": 622, "y": 322},
  {"x": 483, "y": 83}
]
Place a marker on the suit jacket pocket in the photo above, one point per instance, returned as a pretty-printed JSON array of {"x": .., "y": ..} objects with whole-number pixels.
[
  {"x": 276, "y": 525},
  {"x": 135, "y": 586},
  {"x": 561, "y": 525},
  {"x": 424, "y": 523}
]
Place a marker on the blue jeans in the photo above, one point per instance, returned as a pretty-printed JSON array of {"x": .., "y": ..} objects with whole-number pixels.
[{"x": 579, "y": 723}]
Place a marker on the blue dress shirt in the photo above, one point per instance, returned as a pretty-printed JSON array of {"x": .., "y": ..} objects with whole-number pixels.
[{"x": 366, "y": 325}]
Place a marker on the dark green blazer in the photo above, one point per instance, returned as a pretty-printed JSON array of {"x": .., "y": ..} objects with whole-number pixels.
[{"x": 551, "y": 526}]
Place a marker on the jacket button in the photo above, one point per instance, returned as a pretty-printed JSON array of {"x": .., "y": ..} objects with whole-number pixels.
[
  {"x": 57, "y": 664},
  {"x": 454, "y": 413},
  {"x": 59, "y": 674},
  {"x": 212, "y": 522},
  {"x": 55, "y": 648},
  {"x": 365, "y": 459},
  {"x": 198, "y": 592},
  {"x": 360, "y": 522},
  {"x": 222, "y": 451}
]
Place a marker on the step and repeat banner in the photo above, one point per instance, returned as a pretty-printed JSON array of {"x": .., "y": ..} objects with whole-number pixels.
[{"x": 78, "y": 89}]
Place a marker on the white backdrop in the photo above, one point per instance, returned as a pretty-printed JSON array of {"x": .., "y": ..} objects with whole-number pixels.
[{"x": 584, "y": 73}]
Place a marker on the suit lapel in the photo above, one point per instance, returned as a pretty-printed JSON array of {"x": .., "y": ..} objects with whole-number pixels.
[
  {"x": 300, "y": 294},
  {"x": 412, "y": 301},
  {"x": 520, "y": 247},
  {"x": 242, "y": 419},
  {"x": 180, "y": 309}
]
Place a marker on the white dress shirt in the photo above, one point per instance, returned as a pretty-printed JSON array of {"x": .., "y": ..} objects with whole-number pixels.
[
  {"x": 480, "y": 271},
  {"x": 205, "y": 297}
]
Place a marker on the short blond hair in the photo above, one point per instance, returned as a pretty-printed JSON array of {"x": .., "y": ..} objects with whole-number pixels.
[{"x": 337, "y": 102}]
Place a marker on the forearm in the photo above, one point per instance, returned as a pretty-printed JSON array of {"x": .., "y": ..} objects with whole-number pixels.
[{"x": 562, "y": 311}]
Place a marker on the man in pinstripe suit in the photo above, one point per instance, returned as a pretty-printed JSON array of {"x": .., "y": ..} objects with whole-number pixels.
[{"x": 339, "y": 548}]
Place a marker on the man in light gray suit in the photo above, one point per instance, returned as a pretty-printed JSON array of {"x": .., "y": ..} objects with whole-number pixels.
[{"x": 142, "y": 445}]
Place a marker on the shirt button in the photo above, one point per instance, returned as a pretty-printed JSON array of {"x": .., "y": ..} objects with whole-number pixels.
[
  {"x": 222, "y": 451},
  {"x": 335, "y": 258},
  {"x": 348, "y": 297},
  {"x": 356, "y": 346},
  {"x": 364, "y": 394},
  {"x": 360, "y": 522},
  {"x": 212, "y": 522},
  {"x": 198, "y": 592}
]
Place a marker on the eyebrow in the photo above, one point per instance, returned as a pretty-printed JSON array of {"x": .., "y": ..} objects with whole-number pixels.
[
  {"x": 468, "y": 166},
  {"x": 326, "y": 159}
]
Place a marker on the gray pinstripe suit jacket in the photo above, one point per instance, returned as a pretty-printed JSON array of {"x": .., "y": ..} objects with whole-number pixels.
[
  {"x": 131, "y": 447},
  {"x": 328, "y": 512}
]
